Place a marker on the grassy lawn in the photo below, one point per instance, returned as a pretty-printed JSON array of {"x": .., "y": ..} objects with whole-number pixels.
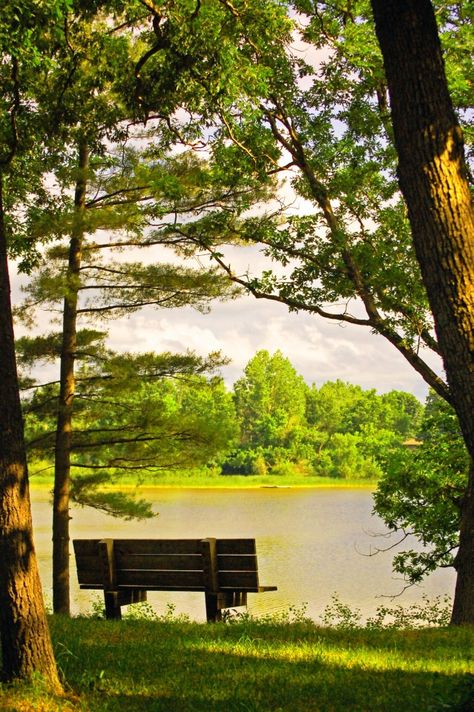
[
  {"x": 201, "y": 480},
  {"x": 253, "y": 666}
]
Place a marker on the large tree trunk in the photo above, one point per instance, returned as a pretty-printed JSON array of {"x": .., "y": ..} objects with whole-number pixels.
[
  {"x": 25, "y": 640},
  {"x": 62, "y": 471},
  {"x": 463, "y": 609},
  {"x": 433, "y": 179}
]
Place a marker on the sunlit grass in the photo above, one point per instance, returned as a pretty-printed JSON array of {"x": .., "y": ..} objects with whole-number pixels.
[
  {"x": 40, "y": 476},
  {"x": 360, "y": 657},
  {"x": 244, "y": 666}
]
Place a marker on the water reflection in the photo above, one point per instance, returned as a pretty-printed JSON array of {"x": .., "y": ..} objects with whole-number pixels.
[{"x": 310, "y": 543}]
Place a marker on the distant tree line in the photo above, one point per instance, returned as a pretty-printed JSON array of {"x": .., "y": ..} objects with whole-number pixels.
[
  {"x": 338, "y": 430},
  {"x": 148, "y": 413}
]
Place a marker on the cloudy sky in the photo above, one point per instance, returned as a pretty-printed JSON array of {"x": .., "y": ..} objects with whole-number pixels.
[{"x": 319, "y": 350}]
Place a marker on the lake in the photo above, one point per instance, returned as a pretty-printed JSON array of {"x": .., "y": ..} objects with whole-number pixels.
[{"x": 311, "y": 543}]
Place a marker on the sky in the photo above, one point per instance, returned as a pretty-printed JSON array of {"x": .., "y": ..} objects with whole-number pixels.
[{"x": 320, "y": 350}]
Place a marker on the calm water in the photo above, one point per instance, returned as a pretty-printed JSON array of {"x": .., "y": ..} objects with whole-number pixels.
[{"x": 310, "y": 543}]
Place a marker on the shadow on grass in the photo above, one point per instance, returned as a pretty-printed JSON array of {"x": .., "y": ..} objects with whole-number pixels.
[
  {"x": 327, "y": 691},
  {"x": 178, "y": 668}
]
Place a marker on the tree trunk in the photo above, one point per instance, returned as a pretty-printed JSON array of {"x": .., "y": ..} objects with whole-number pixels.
[
  {"x": 433, "y": 179},
  {"x": 62, "y": 471},
  {"x": 26, "y": 644},
  {"x": 463, "y": 608}
]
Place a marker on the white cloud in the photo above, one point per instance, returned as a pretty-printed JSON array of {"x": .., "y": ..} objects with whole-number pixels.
[{"x": 318, "y": 349}]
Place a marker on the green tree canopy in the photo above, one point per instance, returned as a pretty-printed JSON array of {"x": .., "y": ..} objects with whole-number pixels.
[
  {"x": 134, "y": 413},
  {"x": 356, "y": 431},
  {"x": 421, "y": 490},
  {"x": 270, "y": 400},
  {"x": 319, "y": 120}
]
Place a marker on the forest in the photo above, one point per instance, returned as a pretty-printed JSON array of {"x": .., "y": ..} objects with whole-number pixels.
[
  {"x": 271, "y": 421},
  {"x": 141, "y": 144}
]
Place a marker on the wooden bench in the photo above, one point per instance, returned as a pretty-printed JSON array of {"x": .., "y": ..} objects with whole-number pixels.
[{"x": 225, "y": 570}]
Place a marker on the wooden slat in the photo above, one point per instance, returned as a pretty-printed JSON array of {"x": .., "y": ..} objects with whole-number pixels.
[
  {"x": 91, "y": 561},
  {"x": 237, "y": 562},
  {"x": 185, "y": 589},
  {"x": 166, "y": 546},
  {"x": 155, "y": 579},
  {"x": 239, "y": 580},
  {"x": 157, "y": 546},
  {"x": 106, "y": 550},
  {"x": 86, "y": 547},
  {"x": 88, "y": 565},
  {"x": 91, "y": 582},
  {"x": 86, "y": 577},
  {"x": 182, "y": 562},
  {"x": 236, "y": 546}
]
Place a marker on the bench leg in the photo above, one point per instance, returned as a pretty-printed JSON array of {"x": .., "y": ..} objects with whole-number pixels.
[
  {"x": 215, "y": 602},
  {"x": 213, "y": 613},
  {"x": 112, "y": 605}
]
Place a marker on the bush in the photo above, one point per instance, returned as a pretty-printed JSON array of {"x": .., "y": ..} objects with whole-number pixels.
[
  {"x": 245, "y": 462},
  {"x": 427, "y": 614},
  {"x": 343, "y": 459}
]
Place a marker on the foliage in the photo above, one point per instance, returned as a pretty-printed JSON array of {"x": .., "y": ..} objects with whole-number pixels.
[
  {"x": 318, "y": 119},
  {"x": 286, "y": 616},
  {"x": 269, "y": 400},
  {"x": 155, "y": 412},
  {"x": 420, "y": 492},
  {"x": 270, "y": 407},
  {"x": 135, "y": 413},
  {"x": 86, "y": 490},
  {"x": 337, "y": 431},
  {"x": 141, "y": 419},
  {"x": 143, "y": 611},
  {"x": 343, "y": 458}
]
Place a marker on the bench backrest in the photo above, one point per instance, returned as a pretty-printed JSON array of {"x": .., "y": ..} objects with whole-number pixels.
[{"x": 167, "y": 564}]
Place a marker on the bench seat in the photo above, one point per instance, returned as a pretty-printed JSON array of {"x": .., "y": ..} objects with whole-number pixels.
[{"x": 225, "y": 570}]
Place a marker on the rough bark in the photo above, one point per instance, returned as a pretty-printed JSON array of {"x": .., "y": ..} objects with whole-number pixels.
[
  {"x": 62, "y": 471},
  {"x": 25, "y": 639},
  {"x": 433, "y": 179},
  {"x": 463, "y": 608}
]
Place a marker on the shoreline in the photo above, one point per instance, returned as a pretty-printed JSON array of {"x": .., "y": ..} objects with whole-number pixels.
[{"x": 345, "y": 484}]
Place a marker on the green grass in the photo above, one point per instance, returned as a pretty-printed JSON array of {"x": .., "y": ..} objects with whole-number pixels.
[
  {"x": 203, "y": 480},
  {"x": 251, "y": 666}
]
